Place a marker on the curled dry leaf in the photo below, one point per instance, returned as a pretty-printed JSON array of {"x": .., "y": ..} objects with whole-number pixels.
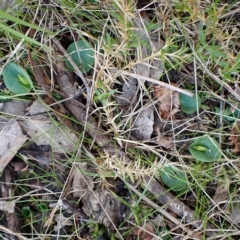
[
  {"x": 169, "y": 101},
  {"x": 147, "y": 65},
  {"x": 16, "y": 107},
  {"x": 62, "y": 222},
  {"x": 103, "y": 207},
  {"x": 44, "y": 132},
  {"x": 164, "y": 141},
  {"x": 234, "y": 210},
  {"x": 234, "y": 138},
  {"x": 82, "y": 183},
  {"x": 158, "y": 221},
  {"x": 7, "y": 206},
  {"x": 129, "y": 90},
  {"x": 100, "y": 205},
  {"x": 144, "y": 233},
  {"x": 143, "y": 125},
  {"x": 222, "y": 192},
  {"x": 11, "y": 139}
]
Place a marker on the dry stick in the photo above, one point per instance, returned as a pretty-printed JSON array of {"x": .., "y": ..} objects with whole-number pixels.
[
  {"x": 218, "y": 80},
  {"x": 6, "y": 230},
  {"x": 122, "y": 72},
  {"x": 76, "y": 68},
  {"x": 158, "y": 208},
  {"x": 232, "y": 12},
  {"x": 174, "y": 204},
  {"x": 7, "y": 191}
]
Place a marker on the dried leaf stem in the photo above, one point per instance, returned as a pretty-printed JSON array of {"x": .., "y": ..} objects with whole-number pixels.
[{"x": 173, "y": 88}]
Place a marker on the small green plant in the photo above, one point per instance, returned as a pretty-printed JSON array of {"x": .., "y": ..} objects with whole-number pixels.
[
  {"x": 174, "y": 178},
  {"x": 228, "y": 114},
  {"x": 82, "y": 53},
  {"x": 102, "y": 97},
  {"x": 27, "y": 212},
  {"x": 16, "y": 79},
  {"x": 205, "y": 149},
  {"x": 189, "y": 104},
  {"x": 42, "y": 207}
]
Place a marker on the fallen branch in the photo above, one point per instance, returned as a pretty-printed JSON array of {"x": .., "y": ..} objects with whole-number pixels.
[{"x": 9, "y": 219}]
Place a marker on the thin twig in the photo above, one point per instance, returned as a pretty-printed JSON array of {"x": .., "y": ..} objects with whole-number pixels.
[
  {"x": 218, "y": 80},
  {"x": 122, "y": 72},
  {"x": 6, "y": 230},
  {"x": 230, "y": 13}
]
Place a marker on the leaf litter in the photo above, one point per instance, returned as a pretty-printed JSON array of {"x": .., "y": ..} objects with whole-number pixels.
[{"x": 142, "y": 116}]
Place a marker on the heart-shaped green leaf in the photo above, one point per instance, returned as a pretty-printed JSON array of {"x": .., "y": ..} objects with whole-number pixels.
[
  {"x": 205, "y": 149},
  {"x": 42, "y": 207},
  {"x": 27, "y": 212},
  {"x": 174, "y": 178},
  {"x": 82, "y": 54},
  {"x": 16, "y": 79},
  {"x": 189, "y": 104}
]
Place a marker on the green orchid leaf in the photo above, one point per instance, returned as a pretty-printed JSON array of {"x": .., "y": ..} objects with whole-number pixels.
[
  {"x": 16, "y": 79},
  {"x": 82, "y": 54},
  {"x": 174, "y": 178},
  {"x": 205, "y": 149},
  {"x": 27, "y": 212},
  {"x": 189, "y": 104},
  {"x": 42, "y": 207},
  {"x": 236, "y": 113}
]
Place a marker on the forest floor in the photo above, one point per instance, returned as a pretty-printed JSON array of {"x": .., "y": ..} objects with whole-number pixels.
[{"x": 120, "y": 119}]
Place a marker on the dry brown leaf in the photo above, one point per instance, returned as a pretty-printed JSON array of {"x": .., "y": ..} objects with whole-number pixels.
[
  {"x": 11, "y": 139},
  {"x": 18, "y": 166},
  {"x": 129, "y": 90},
  {"x": 169, "y": 101},
  {"x": 81, "y": 183},
  {"x": 143, "y": 125},
  {"x": 147, "y": 66},
  {"x": 62, "y": 222},
  {"x": 16, "y": 107},
  {"x": 164, "y": 141},
  {"x": 44, "y": 132},
  {"x": 197, "y": 235},
  {"x": 144, "y": 233},
  {"x": 7, "y": 206},
  {"x": 103, "y": 207},
  {"x": 222, "y": 192},
  {"x": 158, "y": 221},
  {"x": 234, "y": 138},
  {"x": 235, "y": 213}
]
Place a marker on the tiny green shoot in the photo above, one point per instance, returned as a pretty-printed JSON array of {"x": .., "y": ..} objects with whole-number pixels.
[
  {"x": 174, "y": 178},
  {"x": 205, "y": 149}
]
